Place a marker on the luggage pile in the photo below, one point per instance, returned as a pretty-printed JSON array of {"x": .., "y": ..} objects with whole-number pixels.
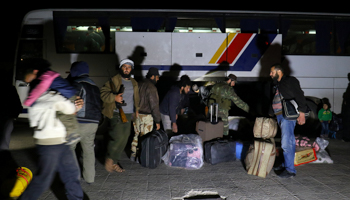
[
  {"x": 216, "y": 149},
  {"x": 261, "y": 156}
]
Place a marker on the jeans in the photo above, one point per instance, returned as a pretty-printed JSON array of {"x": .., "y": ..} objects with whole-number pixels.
[
  {"x": 325, "y": 129},
  {"x": 53, "y": 159},
  {"x": 288, "y": 142}
]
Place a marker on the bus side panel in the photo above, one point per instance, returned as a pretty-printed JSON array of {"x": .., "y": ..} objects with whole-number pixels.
[
  {"x": 321, "y": 76},
  {"x": 144, "y": 48},
  {"x": 196, "y": 49}
]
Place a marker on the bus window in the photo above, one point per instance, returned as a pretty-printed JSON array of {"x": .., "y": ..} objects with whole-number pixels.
[
  {"x": 79, "y": 35},
  {"x": 343, "y": 36},
  {"x": 251, "y": 25},
  {"x": 299, "y": 36},
  {"x": 307, "y": 36},
  {"x": 197, "y": 25}
]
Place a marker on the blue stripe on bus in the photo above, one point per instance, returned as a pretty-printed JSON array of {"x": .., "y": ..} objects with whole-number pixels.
[{"x": 252, "y": 54}]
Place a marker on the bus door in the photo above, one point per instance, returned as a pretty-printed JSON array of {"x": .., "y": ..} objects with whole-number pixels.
[{"x": 30, "y": 45}]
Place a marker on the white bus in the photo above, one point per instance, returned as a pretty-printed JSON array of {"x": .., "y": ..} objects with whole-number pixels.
[{"x": 206, "y": 45}]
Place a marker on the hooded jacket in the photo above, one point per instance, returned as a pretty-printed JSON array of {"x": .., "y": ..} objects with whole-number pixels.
[{"x": 88, "y": 91}]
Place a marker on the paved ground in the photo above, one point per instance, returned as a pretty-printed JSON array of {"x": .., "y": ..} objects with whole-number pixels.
[{"x": 229, "y": 180}]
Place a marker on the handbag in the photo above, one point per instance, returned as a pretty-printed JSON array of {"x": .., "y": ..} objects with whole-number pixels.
[{"x": 290, "y": 109}]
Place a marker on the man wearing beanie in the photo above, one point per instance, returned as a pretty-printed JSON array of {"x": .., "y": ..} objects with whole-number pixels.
[
  {"x": 119, "y": 132},
  {"x": 149, "y": 108}
]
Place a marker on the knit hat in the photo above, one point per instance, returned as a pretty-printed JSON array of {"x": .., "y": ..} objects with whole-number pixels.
[
  {"x": 126, "y": 61},
  {"x": 152, "y": 71},
  {"x": 79, "y": 68}
]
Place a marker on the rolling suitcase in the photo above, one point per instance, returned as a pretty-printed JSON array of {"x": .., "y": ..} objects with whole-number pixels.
[
  {"x": 265, "y": 128},
  {"x": 261, "y": 157},
  {"x": 219, "y": 150},
  {"x": 153, "y": 146},
  {"x": 213, "y": 128}
]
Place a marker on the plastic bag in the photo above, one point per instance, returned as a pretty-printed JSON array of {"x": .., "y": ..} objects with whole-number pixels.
[
  {"x": 305, "y": 142},
  {"x": 322, "y": 155},
  {"x": 322, "y": 143},
  {"x": 185, "y": 151}
]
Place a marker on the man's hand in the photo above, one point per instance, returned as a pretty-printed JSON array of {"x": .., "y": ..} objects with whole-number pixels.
[
  {"x": 79, "y": 102},
  {"x": 174, "y": 127},
  {"x": 119, "y": 98},
  {"x": 301, "y": 118},
  {"x": 158, "y": 126}
]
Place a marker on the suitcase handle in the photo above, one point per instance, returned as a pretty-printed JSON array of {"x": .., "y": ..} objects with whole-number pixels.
[{"x": 216, "y": 113}]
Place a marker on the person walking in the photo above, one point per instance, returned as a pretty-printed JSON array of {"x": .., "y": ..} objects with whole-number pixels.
[
  {"x": 88, "y": 117},
  {"x": 50, "y": 136}
]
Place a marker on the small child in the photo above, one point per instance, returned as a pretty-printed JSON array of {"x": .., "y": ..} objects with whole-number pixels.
[{"x": 325, "y": 117}]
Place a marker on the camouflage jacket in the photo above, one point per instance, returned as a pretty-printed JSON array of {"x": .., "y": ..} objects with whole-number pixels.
[{"x": 224, "y": 94}]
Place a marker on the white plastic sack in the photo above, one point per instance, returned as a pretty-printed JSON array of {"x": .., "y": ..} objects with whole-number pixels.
[
  {"x": 323, "y": 157},
  {"x": 185, "y": 151},
  {"x": 322, "y": 143}
]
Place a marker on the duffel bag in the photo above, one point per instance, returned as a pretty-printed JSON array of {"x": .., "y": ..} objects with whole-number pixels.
[
  {"x": 261, "y": 157},
  {"x": 153, "y": 146},
  {"x": 219, "y": 150},
  {"x": 265, "y": 128}
]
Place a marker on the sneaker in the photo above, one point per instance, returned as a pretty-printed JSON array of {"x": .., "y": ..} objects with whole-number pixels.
[
  {"x": 134, "y": 159},
  {"x": 286, "y": 174}
]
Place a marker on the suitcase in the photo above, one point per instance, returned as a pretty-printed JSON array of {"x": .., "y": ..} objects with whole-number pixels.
[
  {"x": 261, "y": 157},
  {"x": 208, "y": 131},
  {"x": 304, "y": 155},
  {"x": 219, "y": 150},
  {"x": 152, "y": 147},
  {"x": 265, "y": 128},
  {"x": 213, "y": 128}
]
